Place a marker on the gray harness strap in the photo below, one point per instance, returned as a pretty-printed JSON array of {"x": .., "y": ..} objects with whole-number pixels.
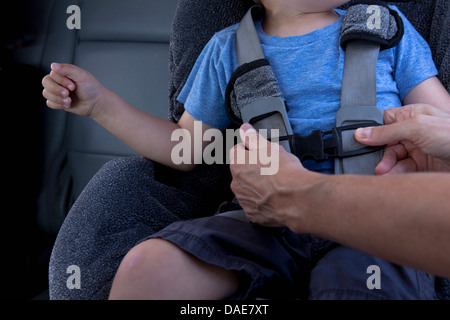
[
  {"x": 358, "y": 104},
  {"x": 248, "y": 47},
  {"x": 366, "y": 27},
  {"x": 258, "y": 98}
]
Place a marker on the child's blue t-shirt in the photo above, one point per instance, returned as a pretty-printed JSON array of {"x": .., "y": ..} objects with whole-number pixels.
[{"x": 309, "y": 70}]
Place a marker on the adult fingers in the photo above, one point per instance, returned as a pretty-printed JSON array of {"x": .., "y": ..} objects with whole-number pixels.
[
  {"x": 392, "y": 155},
  {"x": 387, "y": 134},
  {"x": 251, "y": 138},
  {"x": 410, "y": 111},
  {"x": 238, "y": 155},
  {"x": 403, "y": 166}
]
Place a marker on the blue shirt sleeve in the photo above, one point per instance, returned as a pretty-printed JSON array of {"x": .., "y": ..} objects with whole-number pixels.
[
  {"x": 203, "y": 95},
  {"x": 414, "y": 61}
]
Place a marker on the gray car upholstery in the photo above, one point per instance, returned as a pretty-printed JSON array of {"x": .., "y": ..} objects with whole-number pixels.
[{"x": 125, "y": 45}]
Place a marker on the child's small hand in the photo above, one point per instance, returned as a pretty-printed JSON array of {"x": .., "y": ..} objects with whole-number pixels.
[{"x": 71, "y": 88}]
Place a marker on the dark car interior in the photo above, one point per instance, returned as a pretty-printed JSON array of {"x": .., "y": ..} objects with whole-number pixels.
[
  {"x": 51, "y": 155},
  {"x": 57, "y": 152}
]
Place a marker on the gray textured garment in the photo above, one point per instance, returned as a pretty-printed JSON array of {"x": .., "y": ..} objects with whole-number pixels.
[
  {"x": 352, "y": 22},
  {"x": 262, "y": 83}
]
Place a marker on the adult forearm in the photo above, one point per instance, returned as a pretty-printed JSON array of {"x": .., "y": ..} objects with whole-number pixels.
[{"x": 404, "y": 219}]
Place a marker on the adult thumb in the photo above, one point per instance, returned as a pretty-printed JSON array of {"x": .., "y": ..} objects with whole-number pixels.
[
  {"x": 386, "y": 134},
  {"x": 251, "y": 138}
]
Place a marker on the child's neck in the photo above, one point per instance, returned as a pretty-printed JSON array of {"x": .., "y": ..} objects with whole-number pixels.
[{"x": 285, "y": 24}]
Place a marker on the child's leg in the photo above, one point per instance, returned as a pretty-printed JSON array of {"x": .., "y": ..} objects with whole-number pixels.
[{"x": 158, "y": 269}]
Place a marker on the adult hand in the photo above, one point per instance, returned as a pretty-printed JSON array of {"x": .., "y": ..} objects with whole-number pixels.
[
  {"x": 268, "y": 199},
  {"x": 417, "y": 138}
]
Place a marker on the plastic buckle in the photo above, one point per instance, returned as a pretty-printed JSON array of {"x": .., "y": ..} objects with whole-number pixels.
[
  {"x": 320, "y": 148},
  {"x": 311, "y": 146}
]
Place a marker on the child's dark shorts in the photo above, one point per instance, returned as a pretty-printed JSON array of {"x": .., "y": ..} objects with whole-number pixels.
[{"x": 276, "y": 263}]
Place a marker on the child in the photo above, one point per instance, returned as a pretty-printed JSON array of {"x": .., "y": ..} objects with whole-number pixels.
[{"x": 220, "y": 257}]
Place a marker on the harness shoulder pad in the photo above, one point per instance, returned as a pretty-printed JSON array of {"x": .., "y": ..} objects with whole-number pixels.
[{"x": 373, "y": 21}]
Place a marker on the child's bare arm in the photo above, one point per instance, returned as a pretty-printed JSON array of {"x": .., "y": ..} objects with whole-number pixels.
[
  {"x": 430, "y": 91},
  {"x": 75, "y": 90}
]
